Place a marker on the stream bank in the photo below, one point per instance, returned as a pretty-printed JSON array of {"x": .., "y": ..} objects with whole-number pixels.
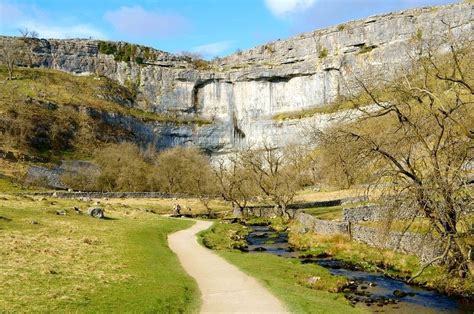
[{"x": 372, "y": 291}]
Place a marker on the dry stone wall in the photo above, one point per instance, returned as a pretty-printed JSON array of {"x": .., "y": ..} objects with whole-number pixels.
[
  {"x": 376, "y": 213},
  {"x": 421, "y": 245}
]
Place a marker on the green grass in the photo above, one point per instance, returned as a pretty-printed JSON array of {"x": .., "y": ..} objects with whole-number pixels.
[
  {"x": 75, "y": 263},
  {"x": 330, "y": 212},
  {"x": 325, "y": 213},
  {"x": 286, "y": 278},
  {"x": 8, "y": 186},
  {"x": 222, "y": 236}
]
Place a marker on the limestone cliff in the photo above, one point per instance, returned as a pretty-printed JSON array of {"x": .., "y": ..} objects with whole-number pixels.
[{"x": 241, "y": 93}]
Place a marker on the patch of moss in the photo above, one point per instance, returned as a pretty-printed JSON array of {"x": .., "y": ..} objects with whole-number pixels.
[
  {"x": 107, "y": 47},
  {"x": 365, "y": 49},
  {"x": 323, "y": 53}
]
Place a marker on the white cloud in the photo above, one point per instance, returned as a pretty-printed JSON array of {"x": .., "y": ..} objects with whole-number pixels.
[
  {"x": 214, "y": 49},
  {"x": 16, "y": 16},
  {"x": 64, "y": 31},
  {"x": 9, "y": 13},
  {"x": 135, "y": 22},
  {"x": 283, "y": 8}
]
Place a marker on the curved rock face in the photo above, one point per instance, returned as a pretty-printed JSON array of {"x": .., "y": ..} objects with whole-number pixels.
[{"x": 241, "y": 93}]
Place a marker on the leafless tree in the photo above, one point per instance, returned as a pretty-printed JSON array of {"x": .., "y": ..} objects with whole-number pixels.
[
  {"x": 236, "y": 184},
  {"x": 418, "y": 138},
  {"x": 278, "y": 176},
  {"x": 27, "y": 33},
  {"x": 192, "y": 55},
  {"x": 10, "y": 55}
]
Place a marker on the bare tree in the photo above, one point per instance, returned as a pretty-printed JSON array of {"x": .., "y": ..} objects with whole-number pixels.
[
  {"x": 236, "y": 184},
  {"x": 24, "y": 32},
  {"x": 10, "y": 55},
  {"x": 278, "y": 176},
  {"x": 419, "y": 140},
  {"x": 192, "y": 55},
  {"x": 27, "y": 33},
  {"x": 34, "y": 34}
]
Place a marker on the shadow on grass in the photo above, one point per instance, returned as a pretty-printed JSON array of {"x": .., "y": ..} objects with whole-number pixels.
[{"x": 109, "y": 218}]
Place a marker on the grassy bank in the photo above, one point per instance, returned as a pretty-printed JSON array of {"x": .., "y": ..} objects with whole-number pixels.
[
  {"x": 70, "y": 263},
  {"x": 377, "y": 260},
  {"x": 287, "y": 279}
]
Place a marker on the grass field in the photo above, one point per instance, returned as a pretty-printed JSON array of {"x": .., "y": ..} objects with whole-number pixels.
[
  {"x": 75, "y": 263},
  {"x": 165, "y": 205},
  {"x": 325, "y": 213}
]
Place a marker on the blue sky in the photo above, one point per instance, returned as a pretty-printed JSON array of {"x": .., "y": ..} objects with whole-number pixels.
[{"x": 209, "y": 27}]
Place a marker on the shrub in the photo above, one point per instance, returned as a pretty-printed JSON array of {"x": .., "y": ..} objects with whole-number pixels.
[
  {"x": 108, "y": 48},
  {"x": 365, "y": 49},
  {"x": 323, "y": 53}
]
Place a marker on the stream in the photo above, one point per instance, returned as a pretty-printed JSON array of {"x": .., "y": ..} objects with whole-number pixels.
[{"x": 372, "y": 291}]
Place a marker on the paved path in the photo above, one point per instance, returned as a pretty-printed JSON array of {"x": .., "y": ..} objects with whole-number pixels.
[{"x": 224, "y": 288}]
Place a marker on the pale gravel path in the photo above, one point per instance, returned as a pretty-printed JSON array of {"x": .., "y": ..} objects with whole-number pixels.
[{"x": 224, "y": 288}]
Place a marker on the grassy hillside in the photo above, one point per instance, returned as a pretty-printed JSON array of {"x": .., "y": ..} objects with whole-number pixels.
[
  {"x": 48, "y": 113},
  {"x": 73, "y": 262}
]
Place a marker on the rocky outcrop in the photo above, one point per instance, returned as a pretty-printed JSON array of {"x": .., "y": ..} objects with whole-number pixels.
[{"x": 241, "y": 93}]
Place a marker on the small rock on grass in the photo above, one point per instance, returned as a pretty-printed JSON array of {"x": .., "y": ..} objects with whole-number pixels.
[
  {"x": 61, "y": 213},
  {"x": 313, "y": 280},
  {"x": 96, "y": 212}
]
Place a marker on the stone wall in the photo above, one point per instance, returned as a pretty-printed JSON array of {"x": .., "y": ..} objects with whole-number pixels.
[
  {"x": 311, "y": 223},
  {"x": 376, "y": 213},
  {"x": 52, "y": 177},
  {"x": 423, "y": 246},
  {"x": 99, "y": 195}
]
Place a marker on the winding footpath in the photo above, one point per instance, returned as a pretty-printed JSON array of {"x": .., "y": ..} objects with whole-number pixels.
[{"x": 224, "y": 288}]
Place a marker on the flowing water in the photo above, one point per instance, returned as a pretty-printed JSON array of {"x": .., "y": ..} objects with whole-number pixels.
[{"x": 370, "y": 290}]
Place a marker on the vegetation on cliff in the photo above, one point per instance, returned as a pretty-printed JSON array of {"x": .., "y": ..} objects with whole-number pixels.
[{"x": 49, "y": 113}]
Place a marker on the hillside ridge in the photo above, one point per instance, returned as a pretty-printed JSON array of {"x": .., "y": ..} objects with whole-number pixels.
[{"x": 241, "y": 93}]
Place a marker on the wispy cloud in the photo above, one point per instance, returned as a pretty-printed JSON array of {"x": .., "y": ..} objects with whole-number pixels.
[
  {"x": 15, "y": 16},
  {"x": 214, "y": 49},
  {"x": 281, "y": 8},
  {"x": 64, "y": 31},
  {"x": 138, "y": 23},
  {"x": 9, "y": 13}
]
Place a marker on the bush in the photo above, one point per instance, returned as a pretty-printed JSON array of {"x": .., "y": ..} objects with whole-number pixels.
[
  {"x": 323, "y": 53},
  {"x": 108, "y": 48}
]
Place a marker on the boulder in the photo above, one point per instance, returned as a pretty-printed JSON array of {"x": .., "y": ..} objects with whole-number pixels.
[
  {"x": 399, "y": 293},
  {"x": 96, "y": 212}
]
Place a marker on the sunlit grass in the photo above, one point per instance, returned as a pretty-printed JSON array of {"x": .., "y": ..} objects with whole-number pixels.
[{"x": 76, "y": 263}]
